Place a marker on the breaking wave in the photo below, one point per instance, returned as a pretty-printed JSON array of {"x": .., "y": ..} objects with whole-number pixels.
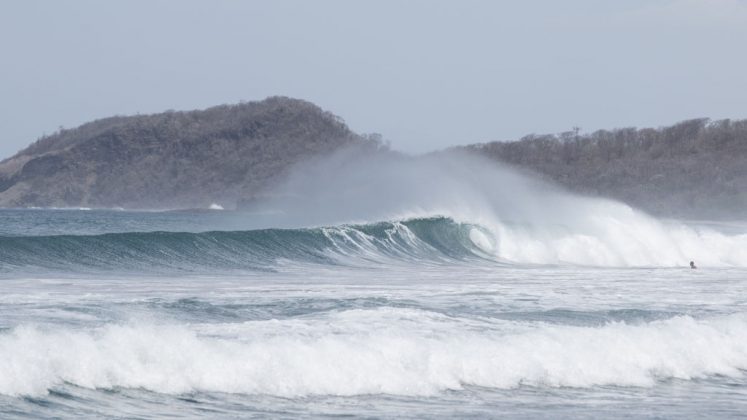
[
  {"x": 604, "y": 241},
  {"x": 377, "y": 351}
]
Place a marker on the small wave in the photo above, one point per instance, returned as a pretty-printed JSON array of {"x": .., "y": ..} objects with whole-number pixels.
[{"x": 382, "y": 351}]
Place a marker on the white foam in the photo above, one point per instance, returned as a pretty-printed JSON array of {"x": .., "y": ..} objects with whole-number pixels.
[
  {"x": 482, "y": 241},
  {"x": 612, "y": 234},
  {"x": 530, "y": 221},
  {"x": 393, "y": 351}
]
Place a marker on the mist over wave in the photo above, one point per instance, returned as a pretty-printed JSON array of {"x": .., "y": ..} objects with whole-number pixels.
[
  {"x": 382, "y": 209},
  {"x": 524, "y": 220},
  {"x": 384, "y": 350}
]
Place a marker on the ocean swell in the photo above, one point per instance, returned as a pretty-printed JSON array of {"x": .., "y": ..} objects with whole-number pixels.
[{"x": 420, "y": 240}]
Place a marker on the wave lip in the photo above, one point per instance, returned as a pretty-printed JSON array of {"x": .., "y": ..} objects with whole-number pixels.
[
  {"x": 382, "y": 351},
  {"x": 628, "y": 239},
  {"x": 425, "y": 240}
]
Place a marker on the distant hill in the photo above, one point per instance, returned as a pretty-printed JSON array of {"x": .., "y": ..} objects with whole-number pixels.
[
  {"x": 694, "y": 169},
  {"x": 233, "y": 154},
  {"x": 223, "y": 155}
]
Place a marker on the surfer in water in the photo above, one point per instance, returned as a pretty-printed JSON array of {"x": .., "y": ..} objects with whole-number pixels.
[{"x": 692, "y": 265}]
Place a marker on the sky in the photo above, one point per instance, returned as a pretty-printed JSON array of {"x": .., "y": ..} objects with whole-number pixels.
[{"x": 426, "y": 74}]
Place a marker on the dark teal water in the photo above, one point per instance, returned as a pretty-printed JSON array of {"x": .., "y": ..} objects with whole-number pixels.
[{"x": 77, "y": 242}]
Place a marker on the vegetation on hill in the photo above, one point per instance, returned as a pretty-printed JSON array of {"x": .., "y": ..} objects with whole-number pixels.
[
  {"x": 189, "y": 159},
  {"x": 694, "y": 169},
  {"x": 233, "y": 154}
]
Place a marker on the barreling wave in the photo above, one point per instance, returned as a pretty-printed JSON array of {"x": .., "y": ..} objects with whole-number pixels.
[
  {"x": 430, "y": 240},
  {"x": 636, "y": 241}
]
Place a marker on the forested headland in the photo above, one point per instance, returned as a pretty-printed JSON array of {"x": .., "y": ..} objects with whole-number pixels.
[
  {"x": 693, "y": 169},
  {"x": 232, "y": 154},
  {"x": 187, "y": 159}
]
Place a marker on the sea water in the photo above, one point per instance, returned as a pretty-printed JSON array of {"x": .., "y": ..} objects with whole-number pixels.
[{"x": 186, "y": 314}]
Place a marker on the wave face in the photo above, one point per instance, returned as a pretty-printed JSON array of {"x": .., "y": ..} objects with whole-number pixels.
[
  {"x": 420, "y": 240},
  {"x": 606, "y": 241},
  {"x": 378, "y": 351}
]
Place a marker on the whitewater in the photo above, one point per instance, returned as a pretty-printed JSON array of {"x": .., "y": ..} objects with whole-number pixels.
[{"x": 460, "y": 290}]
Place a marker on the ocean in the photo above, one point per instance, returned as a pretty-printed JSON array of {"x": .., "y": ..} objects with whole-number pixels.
[{"x": 220, "y": 314}]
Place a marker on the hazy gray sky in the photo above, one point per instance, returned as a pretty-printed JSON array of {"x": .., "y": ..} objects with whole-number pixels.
[{"x": 426, "y": 74}]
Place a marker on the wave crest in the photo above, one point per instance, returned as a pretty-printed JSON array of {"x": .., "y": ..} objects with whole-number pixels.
[
  {"x": 429, "y": 240},
  {"x": 637, "y": 241}
]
